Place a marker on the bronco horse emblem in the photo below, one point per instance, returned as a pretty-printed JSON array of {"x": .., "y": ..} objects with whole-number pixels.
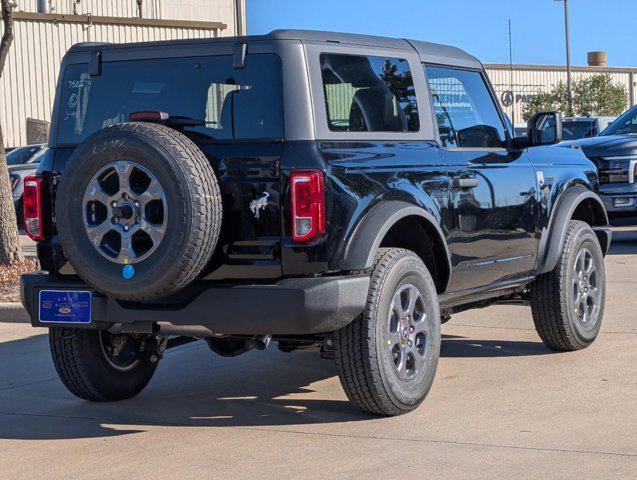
[{"x": 259, "y": 204}]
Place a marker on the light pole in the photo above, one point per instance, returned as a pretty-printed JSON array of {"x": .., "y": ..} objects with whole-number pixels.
[{"x": 569, "y": 94}]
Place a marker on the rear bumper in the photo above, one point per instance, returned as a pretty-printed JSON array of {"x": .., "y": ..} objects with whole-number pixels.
[{"x": 292, "y": 306}]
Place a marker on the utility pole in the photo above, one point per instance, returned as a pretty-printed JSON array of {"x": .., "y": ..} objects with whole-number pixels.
[
  {"x": 569, "y": 92},
  {"x": 511, "y": 73}
]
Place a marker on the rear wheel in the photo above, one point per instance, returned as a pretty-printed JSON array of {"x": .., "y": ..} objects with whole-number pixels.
[
  {"x": 568, "y": 303},
  {"x": 98, "y": 366},
  {"x": 387, "y": 357}
]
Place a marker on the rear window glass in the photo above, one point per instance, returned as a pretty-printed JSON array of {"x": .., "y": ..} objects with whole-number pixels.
[
  {"x": 369, "y": 94},
  {"x": 217, "y": 101},
  {"x": 573, "y": 129}
]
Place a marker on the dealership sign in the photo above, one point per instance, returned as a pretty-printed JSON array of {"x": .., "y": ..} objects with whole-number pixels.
[{"x": 508, "y": 98}]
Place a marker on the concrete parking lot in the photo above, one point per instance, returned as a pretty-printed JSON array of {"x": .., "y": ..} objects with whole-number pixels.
[{"x": 502, "y": 406}]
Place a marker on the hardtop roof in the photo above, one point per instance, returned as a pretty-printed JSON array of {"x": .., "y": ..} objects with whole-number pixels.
[{"x": 428, "y": 52}]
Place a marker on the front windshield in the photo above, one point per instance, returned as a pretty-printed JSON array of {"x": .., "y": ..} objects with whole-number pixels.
[
  {"x": 624, "y": 125},
  {"x": 573, "y": 130}
]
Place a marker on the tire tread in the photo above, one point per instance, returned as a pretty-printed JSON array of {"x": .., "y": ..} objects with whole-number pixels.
[
  {"x": 549, "y": 302},
  {"x": 355, "y": 347}
]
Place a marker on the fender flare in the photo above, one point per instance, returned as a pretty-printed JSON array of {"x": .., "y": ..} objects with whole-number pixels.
[
  {"x": 365, "y": 241},
  {"x": 563, "y": 213}
]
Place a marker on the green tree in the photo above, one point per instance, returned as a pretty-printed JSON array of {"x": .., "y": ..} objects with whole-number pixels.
[
  {"x": 598, "y": 95},
  {"x": 554, "y": 100},
  {"x": 594, "y": 95}
]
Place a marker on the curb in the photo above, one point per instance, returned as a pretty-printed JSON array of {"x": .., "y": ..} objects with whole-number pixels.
[{"x": 13, "y": 312}]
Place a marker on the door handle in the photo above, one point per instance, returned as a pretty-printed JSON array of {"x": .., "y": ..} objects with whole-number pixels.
[{"x": 464, "y": 183}]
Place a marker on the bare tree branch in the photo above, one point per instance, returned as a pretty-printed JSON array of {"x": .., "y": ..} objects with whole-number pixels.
[
  {"x": 10, "y": 250},
  {"x": 7, "y": 36}
]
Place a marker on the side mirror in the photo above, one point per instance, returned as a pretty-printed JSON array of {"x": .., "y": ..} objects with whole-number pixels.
[{"x": 543, "y": 128}]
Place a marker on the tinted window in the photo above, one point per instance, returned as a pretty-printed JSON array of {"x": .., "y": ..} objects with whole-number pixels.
[
  {"x": 218, "y": 102},
  {"x": 21, "y": 155},
  {"x": 626, "y": 124},
  {"x": 369, "y": 94},
  {"x": 464, "y": 108},
  {"x": 573, "y": 129}
]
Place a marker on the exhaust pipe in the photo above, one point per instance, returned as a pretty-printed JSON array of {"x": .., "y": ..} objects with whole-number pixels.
[
  {"x": 196, "y": 331},
  {"x": 261, "y": 342}
]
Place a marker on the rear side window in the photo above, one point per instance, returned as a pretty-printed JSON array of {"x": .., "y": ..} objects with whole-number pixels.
[
  {"x": 369, "y": 94},
  {"x": 465, "y": 111},
  {"x": 216, "y": 101}
]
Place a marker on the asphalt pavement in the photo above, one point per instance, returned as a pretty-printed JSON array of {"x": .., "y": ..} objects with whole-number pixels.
[{"x": 502, "y": 406}]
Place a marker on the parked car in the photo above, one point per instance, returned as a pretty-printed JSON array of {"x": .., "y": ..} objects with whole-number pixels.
[
  {"x": 21, "y": 155},
  {"x": 17, "y": 174},
  {"x": 519, "y": 129},
  {"x": 584, "y": 127},
  {"x": 614, "y": 152},
  {"x": 312, "y": 188}
]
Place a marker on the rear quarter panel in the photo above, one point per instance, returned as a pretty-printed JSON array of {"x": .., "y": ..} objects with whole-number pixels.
[{"x": 359, "y": 176}]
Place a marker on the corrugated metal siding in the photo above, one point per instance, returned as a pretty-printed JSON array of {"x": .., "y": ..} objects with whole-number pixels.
[
  {"x": 106, "y": 8},
  {"x": 27, "y": 87},
  {"x": 202, "y": 10},
  {"x": 530, "y": 82}
]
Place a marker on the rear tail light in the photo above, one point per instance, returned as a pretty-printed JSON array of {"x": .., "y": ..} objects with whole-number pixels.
[
  {"x": 34, "y": 207},
  {"x": 308, "y": 205}
]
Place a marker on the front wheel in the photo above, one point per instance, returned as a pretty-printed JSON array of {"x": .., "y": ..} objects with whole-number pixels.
[
  {"x": 387, "y": 358},
  {"x": 99, "y": 366},
  {"x": 568, "y": 303}
]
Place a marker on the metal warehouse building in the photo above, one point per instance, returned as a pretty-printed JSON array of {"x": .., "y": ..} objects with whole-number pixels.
[
  {"x": 515, "y": 86},
  {"x": 45, "y": 30}
]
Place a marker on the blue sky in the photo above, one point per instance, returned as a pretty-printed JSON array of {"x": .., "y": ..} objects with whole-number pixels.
[{"x": 478, "y": 26}]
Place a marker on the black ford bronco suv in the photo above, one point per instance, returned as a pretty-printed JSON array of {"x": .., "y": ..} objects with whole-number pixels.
[{"x": 316, "y": 189}]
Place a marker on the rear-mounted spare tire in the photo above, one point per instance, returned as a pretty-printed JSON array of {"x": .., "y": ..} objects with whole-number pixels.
[{"x": 138, "y": 211}]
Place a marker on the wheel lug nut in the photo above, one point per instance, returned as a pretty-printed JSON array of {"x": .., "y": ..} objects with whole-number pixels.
[
  {"x": 137, "y": 204},
  {"x": 412, "y": 329},
  {"x": 114, "y": 204},
  {"x": 127, "y": 227},
  {"x": 410, "y": 343}
]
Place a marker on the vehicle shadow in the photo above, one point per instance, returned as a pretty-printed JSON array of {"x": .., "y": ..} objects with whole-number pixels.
[
  {"x": 469, "y": 348},
  {"x": 192, "y": 388},
  {"x": 624, "y": 242}
]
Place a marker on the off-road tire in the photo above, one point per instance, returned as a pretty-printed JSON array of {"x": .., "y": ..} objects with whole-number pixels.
[
  {"x": 82, "y": 366},
  {"x": 193, "y": 221},
  {"x": 361, "y": 354},
  {"x": 552, "y": 294}
]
